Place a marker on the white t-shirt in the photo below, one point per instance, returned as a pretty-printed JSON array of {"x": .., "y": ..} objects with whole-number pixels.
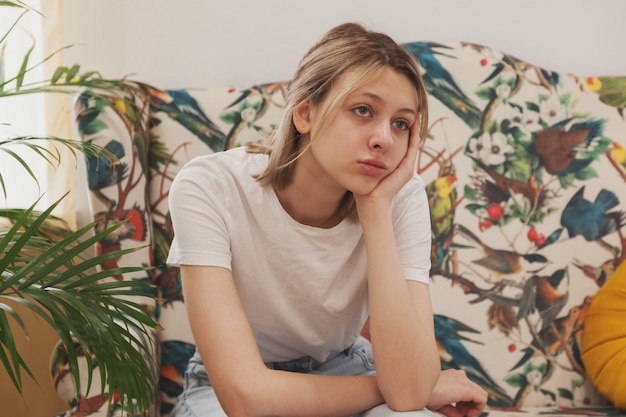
[{"x": 303, "y": 288}]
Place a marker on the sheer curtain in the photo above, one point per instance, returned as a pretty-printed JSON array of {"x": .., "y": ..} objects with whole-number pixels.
[{"x": 35, "y": 114}]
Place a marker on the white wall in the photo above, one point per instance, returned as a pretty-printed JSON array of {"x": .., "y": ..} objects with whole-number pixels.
[{"x": 193, "y": 43}]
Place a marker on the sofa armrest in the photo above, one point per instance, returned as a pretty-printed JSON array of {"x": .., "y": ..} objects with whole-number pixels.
[{"x": 116, "y": 195}]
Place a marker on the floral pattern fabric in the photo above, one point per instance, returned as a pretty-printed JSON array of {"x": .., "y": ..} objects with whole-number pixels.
[{"x": 526, "y": 173}]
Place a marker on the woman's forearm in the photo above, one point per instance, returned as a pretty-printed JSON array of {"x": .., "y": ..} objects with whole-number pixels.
[
  {"x": 407, "y": 362},
  {"x": 292, "y": 394}
]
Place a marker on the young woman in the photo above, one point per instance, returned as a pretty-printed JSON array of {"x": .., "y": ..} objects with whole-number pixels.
[{"x": 286, "y": 249}]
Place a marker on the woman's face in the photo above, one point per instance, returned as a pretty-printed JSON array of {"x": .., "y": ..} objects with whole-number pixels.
[{"x": 365, "y": 139}]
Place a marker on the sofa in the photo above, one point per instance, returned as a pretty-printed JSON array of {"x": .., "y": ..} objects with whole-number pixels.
[{"x": 526, "y": 177}]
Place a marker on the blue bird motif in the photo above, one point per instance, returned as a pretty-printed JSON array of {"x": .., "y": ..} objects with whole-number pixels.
[
  {"x": 102, "y": 173},
  {"x": 441, "y": 84},
  {"x": 592, "y": 220},
  {"x": 180, "y": 106},
  {"x": 454, "y": 355}
]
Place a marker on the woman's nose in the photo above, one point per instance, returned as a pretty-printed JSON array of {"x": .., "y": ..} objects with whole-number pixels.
[{"x": 382, "y": 136}]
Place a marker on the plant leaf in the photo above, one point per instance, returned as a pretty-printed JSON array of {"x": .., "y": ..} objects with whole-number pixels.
[
  {"x": 19, "y": 79},
  {"x": 82, "y": 308}
]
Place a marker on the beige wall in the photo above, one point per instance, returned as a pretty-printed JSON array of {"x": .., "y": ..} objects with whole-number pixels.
[
  {"x": 175, "y": 44},
  {"x": 39, "y": 398}
]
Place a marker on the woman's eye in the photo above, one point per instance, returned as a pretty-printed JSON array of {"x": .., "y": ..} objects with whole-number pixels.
[
  {"x": 362, "y": 110},
  {"x": 401, "y": 124}
]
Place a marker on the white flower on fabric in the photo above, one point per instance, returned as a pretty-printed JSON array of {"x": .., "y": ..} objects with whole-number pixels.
[
  {"x": 490, "y": 148},
  {"x": 526, "y": 120},
  {"x": 476, "y": 147},
  {"x": 552, "y": 110},
  {"x": 503, "y": 112},
  {"x": 503, "y": 91},
  {"x": 248, "y": 114},
  {"x": 537, "y": 398},
  {"x": 519, "y": 202},
  {"x": 534, "y": 377}
]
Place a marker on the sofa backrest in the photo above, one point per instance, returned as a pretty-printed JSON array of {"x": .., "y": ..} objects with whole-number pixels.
[{"x": 525, "y": 174}]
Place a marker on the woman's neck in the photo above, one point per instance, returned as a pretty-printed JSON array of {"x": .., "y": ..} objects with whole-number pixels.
[{"x": 308, "y": 200}]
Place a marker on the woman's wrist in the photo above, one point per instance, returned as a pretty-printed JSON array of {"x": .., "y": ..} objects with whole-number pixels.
[{"x": 374, "y": 213}]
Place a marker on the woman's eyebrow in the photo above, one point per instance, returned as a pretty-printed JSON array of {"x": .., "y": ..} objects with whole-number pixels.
[{"x": 379, "y": 99}]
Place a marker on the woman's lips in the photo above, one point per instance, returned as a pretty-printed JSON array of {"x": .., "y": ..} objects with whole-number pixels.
[{"x": 373, "y": 167}]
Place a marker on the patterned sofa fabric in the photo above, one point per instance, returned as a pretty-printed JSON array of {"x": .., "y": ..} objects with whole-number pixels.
[{"x": 526, "y": 173}]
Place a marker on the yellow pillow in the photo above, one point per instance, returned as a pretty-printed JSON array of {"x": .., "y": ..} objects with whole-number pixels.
[{"x": 604, "y": 339}]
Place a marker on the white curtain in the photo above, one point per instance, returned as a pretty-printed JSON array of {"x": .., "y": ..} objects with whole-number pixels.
[
  {"x": 57, "y": 117},
  {"x": 35, "y": 114}
]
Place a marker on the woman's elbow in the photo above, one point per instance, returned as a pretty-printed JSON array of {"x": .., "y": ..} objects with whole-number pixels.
[
  {"x": 241, "y": 405},
  {"x": 411, "y": 396},
  {"x": 236, "y": 403},
  {"x": 400, "y": 403},
  {"x": 241, "y": 398}
]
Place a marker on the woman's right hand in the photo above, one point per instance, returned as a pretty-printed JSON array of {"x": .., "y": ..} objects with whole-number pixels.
[{"x": 455, "y": 395}]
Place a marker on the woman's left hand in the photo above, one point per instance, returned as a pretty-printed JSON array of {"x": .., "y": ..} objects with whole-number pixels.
[
  {"x": 455, "y": 395},
  {"x": 389, "y": 186}
]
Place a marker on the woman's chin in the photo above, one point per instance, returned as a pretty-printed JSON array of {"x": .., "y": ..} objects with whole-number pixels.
[{"x": 363, "y": 188}]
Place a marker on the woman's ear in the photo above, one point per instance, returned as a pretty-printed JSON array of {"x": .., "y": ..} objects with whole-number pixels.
[{"x": 303, "y": 116}]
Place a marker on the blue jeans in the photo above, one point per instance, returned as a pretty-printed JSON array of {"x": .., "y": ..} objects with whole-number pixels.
[{"x": 199, "y": 400}]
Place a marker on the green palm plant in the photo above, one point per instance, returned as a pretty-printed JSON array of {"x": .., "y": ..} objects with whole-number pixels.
[{"x": 48, "y": 268}]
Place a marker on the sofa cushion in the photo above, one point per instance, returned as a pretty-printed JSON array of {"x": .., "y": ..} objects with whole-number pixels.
[{"x": 604, "y": 339}]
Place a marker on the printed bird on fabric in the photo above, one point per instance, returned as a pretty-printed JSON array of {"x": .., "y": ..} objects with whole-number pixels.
[
  {"x": 454, "y": 355},
  {"x": 167, "y": 280},
  {"x": 501, "y": 262},
  {"x": 102, "y": 173},
  {"x": 132, "y": 226},
  {"x": 252, "y": 104},
  {"x": 441, "y": 84},
  {"x": 542, "y": 294},
  {"x": 441, "y": 200},
  {"x": 592, "y": 220},
  {"x": 180, "y": 106},
  {"x": 500, "y": 187},
  {"x": 563, "y": 333},
  {"x": 619, "y": 154},
  {"x": 599, "y": 274},
  {"x": 557, "y": 149},
  {"x": 548, "y": 79},
  {"x": 610, "y": 90}
]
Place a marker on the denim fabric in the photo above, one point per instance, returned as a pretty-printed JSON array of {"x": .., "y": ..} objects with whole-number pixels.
[{"x": 199, "y": 400}]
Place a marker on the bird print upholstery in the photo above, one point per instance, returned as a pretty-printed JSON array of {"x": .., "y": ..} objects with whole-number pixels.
[{"x": 526, "y": 178}]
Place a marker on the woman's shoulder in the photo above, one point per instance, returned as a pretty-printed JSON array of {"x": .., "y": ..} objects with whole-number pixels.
[
  {"x": 235, "y": 161},
  {"x": 415, "y": 185},
  {"x": 411, "y": 197},
  {"x": 219, "y": 172}
]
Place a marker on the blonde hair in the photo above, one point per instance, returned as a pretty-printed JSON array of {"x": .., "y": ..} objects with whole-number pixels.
[{"x": 345, "y": 48}]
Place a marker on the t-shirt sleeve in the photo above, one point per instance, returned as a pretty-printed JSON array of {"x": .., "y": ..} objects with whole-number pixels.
[
  {"x": 412, "y": 230},
  {"x": 198, "y": 209}
]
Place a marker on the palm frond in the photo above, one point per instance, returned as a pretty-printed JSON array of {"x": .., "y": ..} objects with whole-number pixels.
[
  {"x": 41, "y": 147},
  {"x": 78, "y": 302}
]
